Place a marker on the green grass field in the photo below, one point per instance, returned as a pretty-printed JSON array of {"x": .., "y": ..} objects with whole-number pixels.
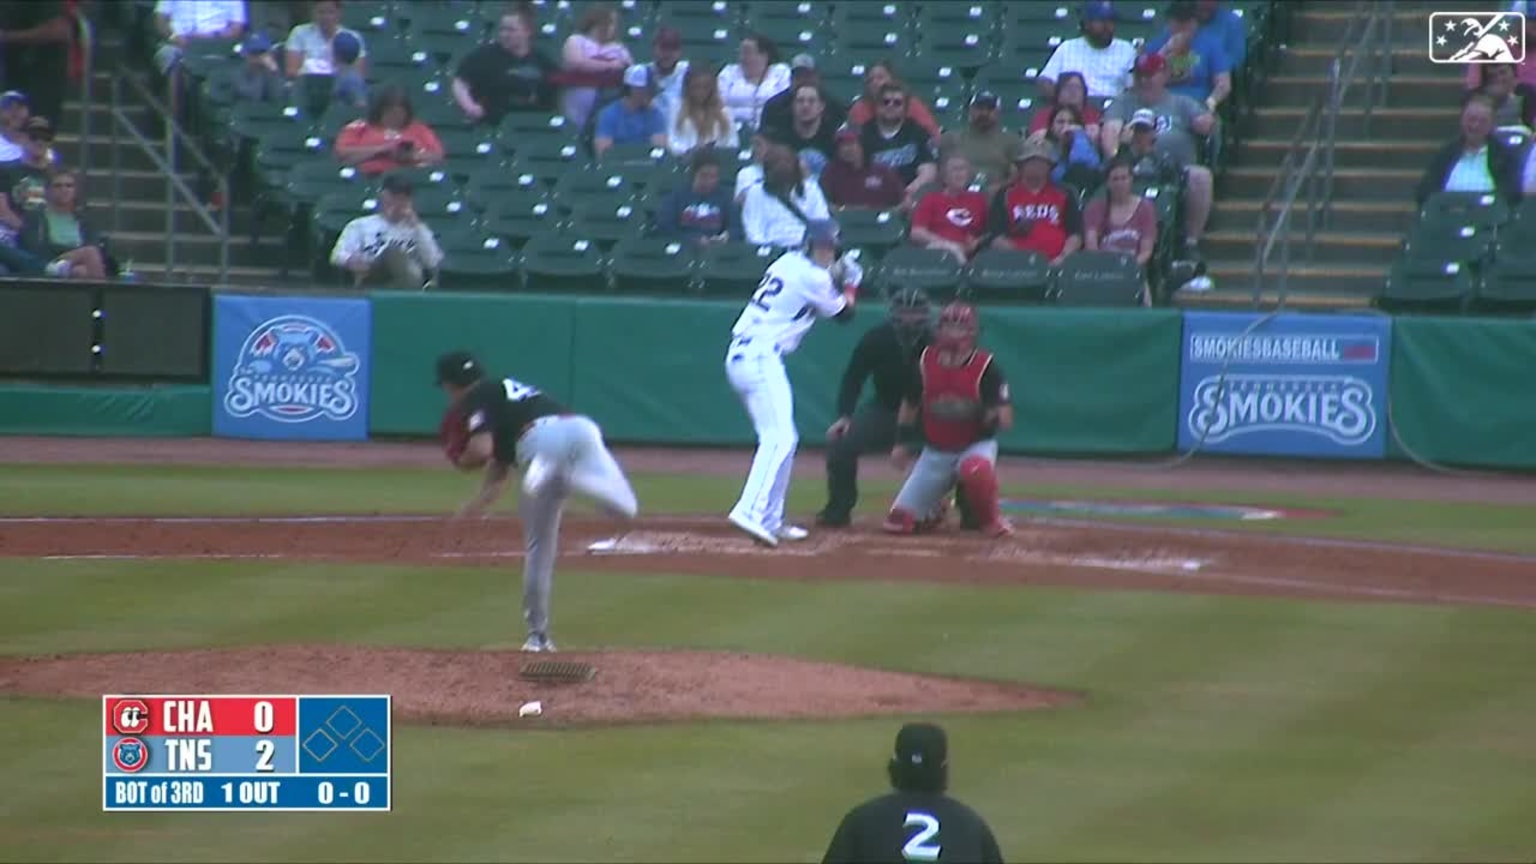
[{"x": 1216, "y": 728}]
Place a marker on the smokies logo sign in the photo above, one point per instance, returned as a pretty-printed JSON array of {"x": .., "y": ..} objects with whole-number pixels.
[
  {"x": 1336, "y": 407},
  {"x": 293, "y": 369}
]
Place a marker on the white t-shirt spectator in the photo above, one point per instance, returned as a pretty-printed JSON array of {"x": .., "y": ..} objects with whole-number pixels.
[
  {"x": 201, "y": 17},
  {"x": 683, "y": 136},
  {"x": 1106, "y": 71},
  {"x": 746, "y": 178},
  {"x": 369, "y": 237},
  {"x": 669, "y": 89},
  {"x": 744, "y": 100},
  {"x": 311, "y": 44},
  {"x": 766, "y": 221}
]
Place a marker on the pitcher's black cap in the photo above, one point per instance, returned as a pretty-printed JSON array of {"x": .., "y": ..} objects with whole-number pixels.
[
  {"x": 459, "y": 368},
  {"x": 923, "y": 746}
]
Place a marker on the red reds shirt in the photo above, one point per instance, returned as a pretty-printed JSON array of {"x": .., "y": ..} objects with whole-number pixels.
[
  {"x": 1036, "y": 221},
  {"x": 952, "y": 217},
  {"x": 955, "y": 399}
]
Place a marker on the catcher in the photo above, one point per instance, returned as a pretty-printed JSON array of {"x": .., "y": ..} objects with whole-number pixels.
[
  {"x": 495, "y": 423},
  {"x": 963, "y": 399}
]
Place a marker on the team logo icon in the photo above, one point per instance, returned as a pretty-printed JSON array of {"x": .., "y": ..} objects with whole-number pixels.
[
  {"x": 293, "y": 369},
  {"x": 130, "y": 717},
  {"x": 1477, "y": 37},
  {"x": 130, "y": 755}
]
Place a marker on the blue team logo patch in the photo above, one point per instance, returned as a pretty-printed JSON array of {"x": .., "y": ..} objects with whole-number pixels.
[
  {"x": 130, "y": 755},
  {"x": 293, "y": 369}
]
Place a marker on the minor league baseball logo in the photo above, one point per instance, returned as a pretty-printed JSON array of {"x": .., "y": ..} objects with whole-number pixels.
[
  {"x": 130, "y": 755},
  {"x": 1477, "y": 37},
  {"x": 131, "y": 717},
  {"x": 293, "y": 369}
]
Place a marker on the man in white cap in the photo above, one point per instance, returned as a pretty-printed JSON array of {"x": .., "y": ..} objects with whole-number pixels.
[{"x": 633, "y": 119}]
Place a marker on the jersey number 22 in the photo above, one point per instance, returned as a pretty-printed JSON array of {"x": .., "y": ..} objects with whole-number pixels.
[
  {"x": 923, "y": 844},
  {"x": 771, "y": 287}
]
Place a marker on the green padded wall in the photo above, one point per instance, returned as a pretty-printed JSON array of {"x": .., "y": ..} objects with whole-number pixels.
[{"x": 153, "y": 411}]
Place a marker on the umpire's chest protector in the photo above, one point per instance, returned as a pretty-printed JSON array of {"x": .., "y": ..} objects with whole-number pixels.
[{"x": 952, "y": 409}]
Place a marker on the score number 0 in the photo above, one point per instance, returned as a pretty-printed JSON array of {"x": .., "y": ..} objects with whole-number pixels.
[{"x": 263, "y": 722}]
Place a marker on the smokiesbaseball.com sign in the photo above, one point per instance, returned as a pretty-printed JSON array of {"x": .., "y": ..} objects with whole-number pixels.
[{"x": 1295, "y": 385}]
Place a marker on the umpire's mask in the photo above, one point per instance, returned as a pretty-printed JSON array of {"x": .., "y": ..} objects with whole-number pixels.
[{"x": 911, "y": 315}]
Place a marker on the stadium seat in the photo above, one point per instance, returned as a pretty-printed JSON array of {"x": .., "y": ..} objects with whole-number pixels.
[
  {"x": 468, "y": 149},
  {"x": 652, "y": 265},
  {"x": 1508, "y": 286},
  {"x": 636, "y": 159},
  {"x": 389, "y": 57},
  {"x": 312, "y": 180},
  {"x": 1443, "y": 240},
  {"x": 335, "y": 209},
  {"x": 794, "y": 35},
  {"x": 1481, "y": 209},
  {"x": 1008, "y": 276},
  {"x": 874, "y": 231},
  {"x": 961, "y": 45},
  {"x": 805, "y": 10},
  {"x": 474, "y": 260},
  {"x": 985, "y": 15},
  {"x": 1099, "y": 279},
  {"x": 557, "y": 261},
  {"x": 676, "y": 12},
  {"x": 607, "y": 219},
  {"x": 548, "y": 161},
  {"x": 574, "y": 187},
  {"x": 520, "y": 126},
  {"x": 935, "y": 272},
  {"x": 733, "y": 269},
  {"x": 1427, "y": 286},
  {"x": 849, "y": 16},
  {"x": 488, "y": 184},
  {"x": 519, "y": 215}
]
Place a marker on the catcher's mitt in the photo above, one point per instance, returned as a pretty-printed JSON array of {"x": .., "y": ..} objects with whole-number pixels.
[{"x": 453, "y": 432}]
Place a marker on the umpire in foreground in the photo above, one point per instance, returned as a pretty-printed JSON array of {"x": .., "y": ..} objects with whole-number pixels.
[{"x": 917, "y": 821}]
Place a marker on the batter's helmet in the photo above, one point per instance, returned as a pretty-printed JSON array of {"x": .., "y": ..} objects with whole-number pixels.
[
  {"x": 958, "y": 327},
  {"x": 822, "y": 232}
]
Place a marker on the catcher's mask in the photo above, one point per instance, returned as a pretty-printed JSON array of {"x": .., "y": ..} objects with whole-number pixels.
[
  {"x": 458, "y": 368},
  {"x": 958, "y": 328},
  {"x": 911, "y": 314}
]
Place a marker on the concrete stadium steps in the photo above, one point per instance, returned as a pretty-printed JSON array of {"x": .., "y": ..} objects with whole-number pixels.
[
  {"x": 1387, "y": 217},
  {"x": 1317, "y": 59},
  {"x": 1404, "y": 91},
  {"x": 1321, "y": 24},
  {"x": 1386, "y": 125},
  {"x": 1370, "y": 184},
  {"x": 1330, "y": 246},
  {"x": 1310, "y": 285},
  {"x": 1351, "y": 154}
]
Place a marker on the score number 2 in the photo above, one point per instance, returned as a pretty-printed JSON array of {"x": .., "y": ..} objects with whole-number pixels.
[{"x": 262, "y": 720}]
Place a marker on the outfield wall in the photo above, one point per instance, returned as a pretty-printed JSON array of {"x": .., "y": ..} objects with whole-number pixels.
[{"x": 1084, "y": 381}]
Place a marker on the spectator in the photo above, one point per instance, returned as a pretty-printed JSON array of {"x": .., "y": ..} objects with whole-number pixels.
[
  {"x": 1473, "y": 161},
  {"x": 309, "y": 47},
  {"x": 853, "y": 181},
  {"x": 56, "y": 234},
  {"x": 1149, "y": 165},
  {"x": 507, "y": 75},
  {"x": 392, "y": 246},
  {"x": 633, "y": 119},
  {"x": 752, "y": 174},
  {"x": 259, "y": 79},
  {"x": 1226, "y": 27},
  {"x": 779, "y": 112},
  {"x": 1525, "y": 70},
  {"x": 748, "y": 84},
  {"x": 183, "y": 21},
  {"x": 1077, "y": 154},
  {"x": 892, "y": 140},
  {"x": 776, "y": 210},
  {"x": 986, "y": 145},
  {"x": 1122, "y": 221},
  {"x": 350, "y": 88},
  {"x": 1034, "y": 214},
  {"x": 1179, "y": 120},
  {"x": 593, "y": 60},
  {"x": 702, "y": 211},
  {"x": 389, "y": 137},
  {"x": 669, "y": 70},
  {"x": 809, "y": 134},
  {"x": 1198, "y": 66},
  {"x": 864, "y": 108},
  {"x": 23, "y": 190},
  {"x": 15, "y": 110},
  {"x": 41, "y": 57},
  {"x": 1103, "y": 61},
  {"x": 701, "y": 120},
  {"x": 1070, "y": 90},
  {"x": 952, "y": 218},
  {"x": 1514, "y": 102}
]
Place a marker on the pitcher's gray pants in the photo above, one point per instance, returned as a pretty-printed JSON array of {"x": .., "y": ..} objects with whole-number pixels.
[{"x": 579, "y": 462}]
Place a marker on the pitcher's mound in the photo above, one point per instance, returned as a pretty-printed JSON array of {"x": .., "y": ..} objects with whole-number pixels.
[{"x": 486, "y": 687}]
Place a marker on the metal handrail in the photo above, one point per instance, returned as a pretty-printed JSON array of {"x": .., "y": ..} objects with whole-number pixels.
[
  {"x": 175, "y": 138},
  {"x": 1309, "y": 161},
  {"x": 86, "y": 33}
]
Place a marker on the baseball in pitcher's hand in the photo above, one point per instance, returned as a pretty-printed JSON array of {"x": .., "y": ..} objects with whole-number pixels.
[{"x": 839, "y": 428}]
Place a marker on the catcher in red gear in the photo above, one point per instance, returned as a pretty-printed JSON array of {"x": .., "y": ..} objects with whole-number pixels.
[{"x": 962, "y": 397}]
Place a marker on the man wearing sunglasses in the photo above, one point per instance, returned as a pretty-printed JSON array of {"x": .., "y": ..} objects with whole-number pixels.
[{"x": 891, "y": 139}]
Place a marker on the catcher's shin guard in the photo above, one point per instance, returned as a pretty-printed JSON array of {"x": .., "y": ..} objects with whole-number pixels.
[
  {"x": 978, "y": 484},
  {"x": 899, "y": 521}
]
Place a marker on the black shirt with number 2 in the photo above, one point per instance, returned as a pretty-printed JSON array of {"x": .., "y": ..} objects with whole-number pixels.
[
  {"x": 504, "y": 407},
  {"x": 905, "y": 827}
]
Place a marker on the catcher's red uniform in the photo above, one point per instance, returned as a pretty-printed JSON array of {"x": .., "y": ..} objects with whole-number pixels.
[{"x": 954, "y": 399}]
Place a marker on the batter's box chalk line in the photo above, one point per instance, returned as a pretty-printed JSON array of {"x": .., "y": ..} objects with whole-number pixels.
[{"x": 659, "y": 543}]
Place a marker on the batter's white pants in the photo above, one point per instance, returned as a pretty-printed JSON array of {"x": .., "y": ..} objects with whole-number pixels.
[{"x": 759, "y": 379}]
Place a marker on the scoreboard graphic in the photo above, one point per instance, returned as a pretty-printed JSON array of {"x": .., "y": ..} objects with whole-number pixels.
[{"x": 206, "y": 754}]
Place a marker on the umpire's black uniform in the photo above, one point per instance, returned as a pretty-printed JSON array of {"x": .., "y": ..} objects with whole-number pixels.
[{"x": 916, "y": 822}]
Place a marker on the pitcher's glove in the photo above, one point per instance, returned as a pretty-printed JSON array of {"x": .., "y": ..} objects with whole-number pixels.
[{"x": 453, "y": 432}]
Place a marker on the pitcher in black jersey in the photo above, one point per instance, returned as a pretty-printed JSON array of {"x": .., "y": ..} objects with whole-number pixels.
[
  {"x": 917, "y": 821},
  {"x": 508, "y": 422}
]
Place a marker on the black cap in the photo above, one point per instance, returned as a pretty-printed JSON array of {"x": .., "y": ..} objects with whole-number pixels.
[
  {"x": 984, "y": 99},
  {"x": 921, "y": 747},
  {"x": 459, "y": 368},
  {"x": 398, "y": 184}
]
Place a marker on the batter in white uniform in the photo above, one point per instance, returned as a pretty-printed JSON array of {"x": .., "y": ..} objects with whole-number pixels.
[{"x": 797, "y": 289}]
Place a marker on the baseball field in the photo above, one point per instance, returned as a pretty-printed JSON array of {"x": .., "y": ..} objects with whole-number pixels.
[{"x": 1346, "y": 674}]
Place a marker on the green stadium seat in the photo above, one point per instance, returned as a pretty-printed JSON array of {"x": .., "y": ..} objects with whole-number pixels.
[
  {"x": 805, "y": 10},
  {"x": 958, "y": 44},
  {"x": 1509, "y": 285},
  {"x": 557, "y": 261},
  {"x": 675, "y": 12},
  {"x": 549, "y": 161},
  {"x": 312, "y": 180},
  {"x": 474, "y": 260},
  {"x": 874, "y": 231},
  {"x": 1426, "y": 286},
  {"x": 1099, "y": 278},
  {"x": 937, "y": 273},
  {"x": 985, "y": 15},
  {"x": 469, "y": 149},
  {"x": 1481, "y": 209},
  {"x": 1442, "y": 240},
  {"x": 388, "y": 57},
  {"x": 335, "y": 209},
  {"x": 487, "y": 184},
  {"x": 519, "y": 215},
  {"x": 733, "y": 269},
  {"x": 369, "y": 17},
  {"x": 1008, "y": 276},
  {"x": 793, "y": 35},
  {"x": 652, "y": 265},
  {"x": 852, "y": 15},
  {"x": 606, "y": 220},
  {"x": 427, "y": 19},
  {"x": 1034, "y": 14},
  {"x": 574, "y": 187}
]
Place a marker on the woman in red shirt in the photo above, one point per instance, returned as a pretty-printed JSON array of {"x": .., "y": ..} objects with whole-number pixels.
[
  {"x": 1122, "y": 221},
  {"x": 390, "y": 137},
  {"x": 1070, "y": 92},
  {"x": 953, "y": 217}
]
